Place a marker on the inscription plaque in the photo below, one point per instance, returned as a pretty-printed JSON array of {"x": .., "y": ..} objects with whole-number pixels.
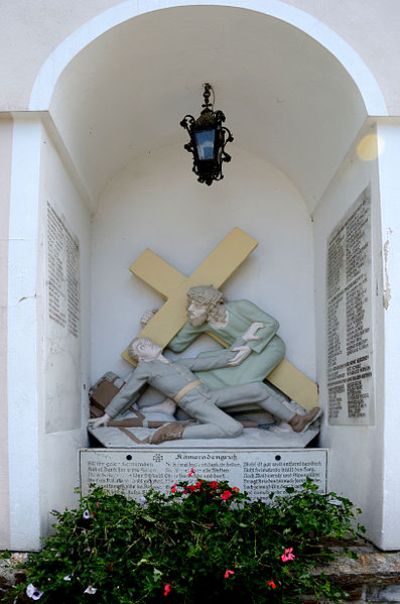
[
  {"x": 257, "y": 471},
  {"x": 349, "y": 292},
  {"x": 63, "y": 273}
]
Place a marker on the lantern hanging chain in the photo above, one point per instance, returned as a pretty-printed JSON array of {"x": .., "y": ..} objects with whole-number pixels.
[{"x": 208, "y": 89}]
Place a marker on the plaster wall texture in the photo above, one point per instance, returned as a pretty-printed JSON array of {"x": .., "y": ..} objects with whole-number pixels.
[
  {"x": 276, "y": 84},
  {"x": 157, "y": 203},
  {"x": 389, "y": 137},
  {"x": 66, "y": 357},
  {"x": 372, "y": 29},
  {"x": 356, "y": 453},
  {"x": 39, "y": 468},
  {"x": 138, "y": 209},
  {"x": 25, "y": 376},
  {"x": 6, "y": 135},
  {"x": 30, "y": 31}
]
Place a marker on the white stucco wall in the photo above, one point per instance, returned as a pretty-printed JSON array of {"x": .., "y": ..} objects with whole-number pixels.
[
  {"x": 44, "y": 415},
  {"x": 24, "y": 342},
  {"x": 275, "y": 83},
  {"x": 66, "y": 358},
  {"x": 389, "y": 345},
  {"x": 356, "y": 453},
  {"x": 30, "y": 31},
  {"x": 157, "y": 203},
  {"x": 6, "y": 138}
]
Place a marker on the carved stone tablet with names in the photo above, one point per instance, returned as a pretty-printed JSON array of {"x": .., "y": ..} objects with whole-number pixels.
[
  {"x": 259, "y": 472},
  {"x": 63, "y": 274},
  {"x": 62, "y": 392},
  {"x": 349, "y": 292}
]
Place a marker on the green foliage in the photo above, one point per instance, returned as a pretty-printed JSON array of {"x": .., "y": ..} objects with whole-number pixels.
[{"x": 203, "y": 542}]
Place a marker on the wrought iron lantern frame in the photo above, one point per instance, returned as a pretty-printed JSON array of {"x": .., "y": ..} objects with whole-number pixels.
[{"x": 209, "y": 123}]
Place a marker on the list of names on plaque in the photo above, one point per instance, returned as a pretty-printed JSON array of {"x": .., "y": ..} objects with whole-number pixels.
[
  {"x": 350, "y": 386},
  {"x": 257, "y": 471},
  {"x": 63, "y": 273}
]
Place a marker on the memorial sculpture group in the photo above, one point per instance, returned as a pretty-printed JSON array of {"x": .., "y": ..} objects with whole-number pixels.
[{"x": 213, "y": 383}]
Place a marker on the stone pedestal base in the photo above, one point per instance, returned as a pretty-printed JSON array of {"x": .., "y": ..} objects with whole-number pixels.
[
  {"x": 257, "y": 471},
  {"x": 274, "y": 438}
]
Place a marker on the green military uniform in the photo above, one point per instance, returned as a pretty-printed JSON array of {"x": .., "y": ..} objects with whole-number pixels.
[{"x": 266, "y": 352}]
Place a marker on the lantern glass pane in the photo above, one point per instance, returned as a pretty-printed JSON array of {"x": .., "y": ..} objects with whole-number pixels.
[{"x": 205, "y": 140}]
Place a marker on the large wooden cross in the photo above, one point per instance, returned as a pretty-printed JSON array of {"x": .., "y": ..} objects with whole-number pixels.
[{"x": 214, "y": 270}]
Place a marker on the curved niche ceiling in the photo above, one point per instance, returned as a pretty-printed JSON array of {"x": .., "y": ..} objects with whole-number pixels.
[{"x": 286, "y": 98}]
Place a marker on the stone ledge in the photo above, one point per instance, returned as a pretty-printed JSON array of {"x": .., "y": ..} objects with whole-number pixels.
[
  {"x": 373, "y": 577},
  {"x": 371, "y": 566},
  {"x": 8, "y": 574}
]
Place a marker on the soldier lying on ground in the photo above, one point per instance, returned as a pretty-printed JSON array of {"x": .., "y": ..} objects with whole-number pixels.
[{"x": 176, "y": 381}]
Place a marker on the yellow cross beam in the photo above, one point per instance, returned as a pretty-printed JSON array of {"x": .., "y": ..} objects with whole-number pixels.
[
  {"x": 171, "y": 284},
  {"x": 229, "y": 254}
]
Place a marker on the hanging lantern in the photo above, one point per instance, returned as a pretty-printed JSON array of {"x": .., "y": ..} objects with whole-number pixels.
[{"x": 208, "y": 138}]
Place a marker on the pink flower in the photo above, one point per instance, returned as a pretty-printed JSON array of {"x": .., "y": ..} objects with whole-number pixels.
[
  {"x": 226, "y": 495},
  {"x": 288, "y": 555},
  {"x": 173, "y": 488},
  {"x": 191, "y": 472},
  {"x": 271, "y": 583},
  {"x": 167, "y": 589},
  {"x": 228, "y": 573}
]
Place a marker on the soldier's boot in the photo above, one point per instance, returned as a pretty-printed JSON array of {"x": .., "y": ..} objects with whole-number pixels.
[
  {"x": 172, "y": 431},
  {"x": 300, "y": 423}
]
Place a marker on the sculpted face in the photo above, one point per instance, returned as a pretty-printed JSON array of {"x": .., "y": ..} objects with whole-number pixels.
[
  {"x": 146, "y": 349},
  {"x": 197, "y": 313}
]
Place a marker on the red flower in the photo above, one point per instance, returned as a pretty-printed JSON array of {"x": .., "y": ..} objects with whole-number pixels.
[
  {"x": 191, "y": 472},
  {"x": 236, "y": 489},
  {"x": 194, "y": 487},
  {"x": 228, "y": 573},
  {"x": 271, "y": 583},
  {"x": 288, "y": 555},
  {"x": 226, "y": 495},
  {"x": 173, "y": 488},
  {"x": 214, "y": 484},
  {"x": 167, "y": 589}
]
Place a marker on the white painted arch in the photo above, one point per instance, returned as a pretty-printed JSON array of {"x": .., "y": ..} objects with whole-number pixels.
[{"x": 56, "y": 62}]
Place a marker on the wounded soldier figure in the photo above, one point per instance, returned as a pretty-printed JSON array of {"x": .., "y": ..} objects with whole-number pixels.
[{"x": 176, "y": 380}]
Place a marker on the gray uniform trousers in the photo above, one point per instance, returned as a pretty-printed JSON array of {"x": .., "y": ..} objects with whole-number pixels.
[
  {"x": 201, "y": 403},
  {"x": 209, "y": 406}
]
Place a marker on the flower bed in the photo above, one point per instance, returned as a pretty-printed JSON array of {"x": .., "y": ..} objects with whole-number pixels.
[{"x": 204, "y": 541}]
